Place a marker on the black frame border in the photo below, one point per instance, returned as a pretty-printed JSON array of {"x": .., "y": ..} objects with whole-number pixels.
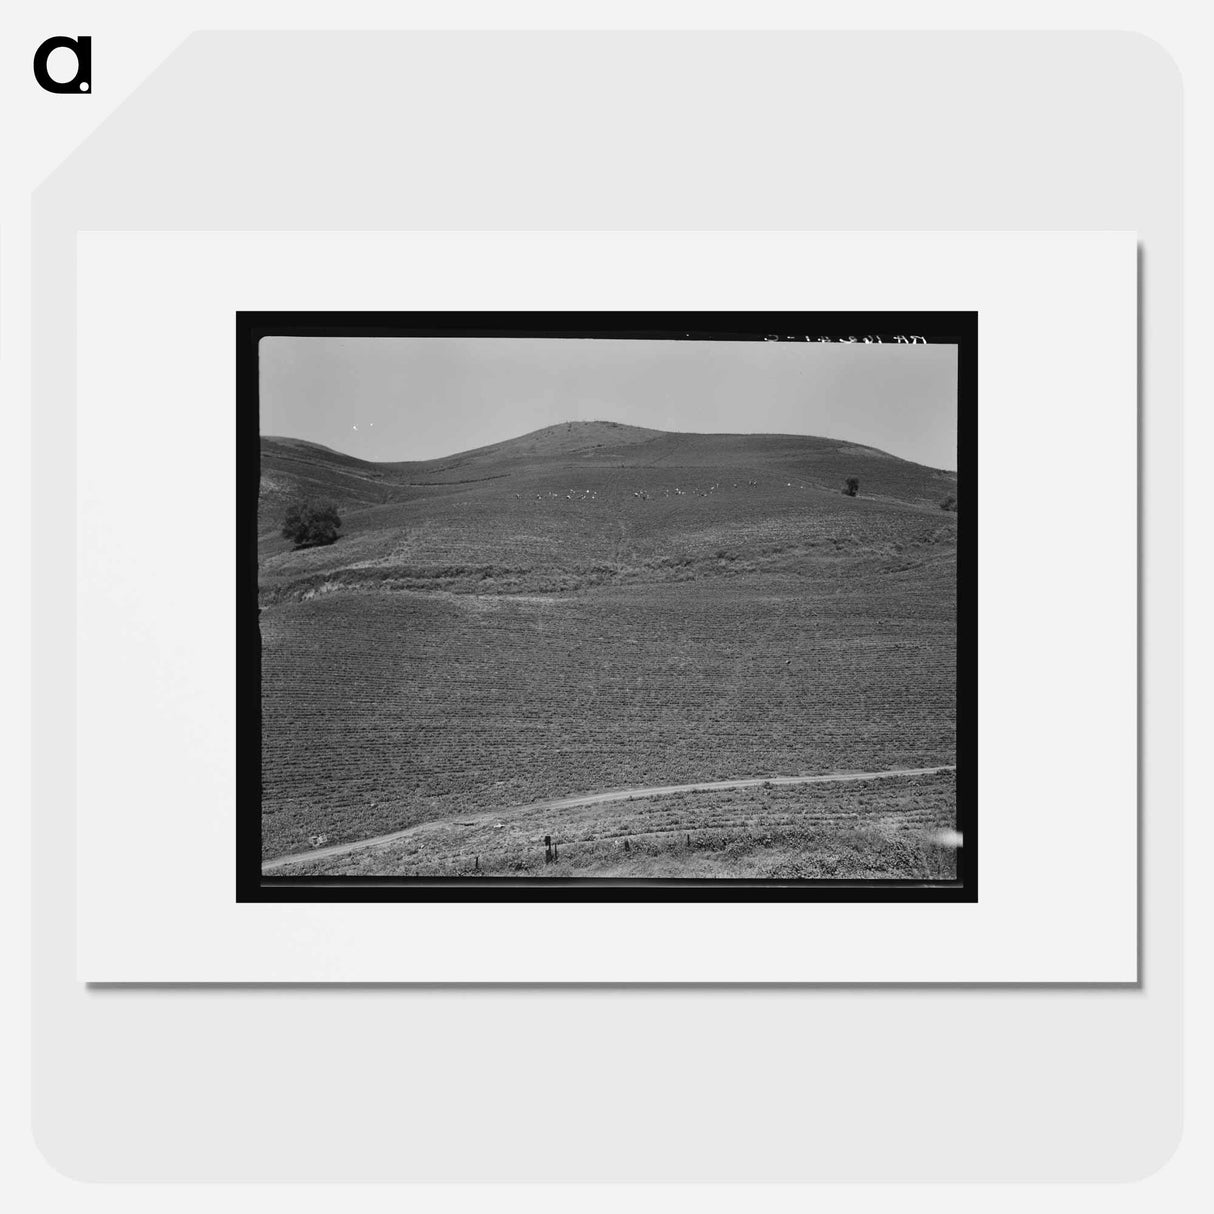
[{"x": 933, "y": 328}]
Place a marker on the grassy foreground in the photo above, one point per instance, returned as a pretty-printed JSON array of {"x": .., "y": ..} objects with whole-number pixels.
[{"x": 889, "y": 828}]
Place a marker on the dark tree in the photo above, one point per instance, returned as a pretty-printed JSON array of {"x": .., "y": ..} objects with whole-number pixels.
[
  {"x": 949, "y": 503},
  {"x": 309, "y": 524},
  {"x": 852, "y": 486}
]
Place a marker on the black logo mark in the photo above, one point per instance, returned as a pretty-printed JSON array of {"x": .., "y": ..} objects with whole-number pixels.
[{"x": 82, "y": 48}]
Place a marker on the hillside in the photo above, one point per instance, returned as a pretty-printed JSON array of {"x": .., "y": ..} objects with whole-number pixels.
[
  {"x": 586, "y": 503},
  {"x": 594, "y": 606}
]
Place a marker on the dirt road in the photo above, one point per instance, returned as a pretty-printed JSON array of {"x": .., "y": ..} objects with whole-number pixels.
[{"x": 622, "y": 794}]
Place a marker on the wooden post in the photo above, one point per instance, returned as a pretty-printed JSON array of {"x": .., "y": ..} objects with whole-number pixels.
[{"x": 547, "y": 849}]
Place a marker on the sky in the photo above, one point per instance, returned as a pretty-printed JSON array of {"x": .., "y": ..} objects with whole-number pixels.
[{"x": 401, "y": 398}]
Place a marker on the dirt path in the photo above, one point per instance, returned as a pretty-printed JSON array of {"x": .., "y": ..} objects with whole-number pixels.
[{"x": 622, "y": 794}]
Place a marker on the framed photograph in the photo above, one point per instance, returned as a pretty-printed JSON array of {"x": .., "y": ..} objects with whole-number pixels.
[
  {"x": 609, "y": 610},
  {"x": 611, "y": 606}
]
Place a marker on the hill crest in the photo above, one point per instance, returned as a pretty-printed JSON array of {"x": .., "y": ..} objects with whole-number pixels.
[{"x": 573, "y": 436}]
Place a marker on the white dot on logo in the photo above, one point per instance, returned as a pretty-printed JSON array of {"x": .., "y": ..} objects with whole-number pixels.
[{"x": 84, "y": 86}]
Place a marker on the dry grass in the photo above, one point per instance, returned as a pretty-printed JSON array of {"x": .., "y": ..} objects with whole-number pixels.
[{"x": 872, "y": 829}]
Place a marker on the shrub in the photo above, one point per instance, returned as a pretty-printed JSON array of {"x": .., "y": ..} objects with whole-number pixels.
[
  {"x": 949, "y": 503},
  {"x": 307, "y": 524},
  {"x": 852, "y": 486}
]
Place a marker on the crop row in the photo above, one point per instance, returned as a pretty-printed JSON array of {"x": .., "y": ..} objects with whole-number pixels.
[{"x": 383, "y": 711}]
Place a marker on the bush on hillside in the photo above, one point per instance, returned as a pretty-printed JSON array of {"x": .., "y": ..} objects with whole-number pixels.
[
  {"x": 308, "y": 524},
  {"x": 852, "y": 486},
  {"x": 949, "y": 503}
]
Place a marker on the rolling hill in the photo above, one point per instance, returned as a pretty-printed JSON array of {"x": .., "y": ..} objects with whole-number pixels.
[
  {"x": 588, "y": 503},
  {"x": 595, "y": 606}
]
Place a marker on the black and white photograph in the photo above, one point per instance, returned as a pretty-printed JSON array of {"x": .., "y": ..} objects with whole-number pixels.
[{"x": 642, "y": 605}]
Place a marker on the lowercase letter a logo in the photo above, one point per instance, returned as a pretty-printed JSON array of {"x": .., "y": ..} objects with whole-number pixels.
[{"x": 82, "y": 81}]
